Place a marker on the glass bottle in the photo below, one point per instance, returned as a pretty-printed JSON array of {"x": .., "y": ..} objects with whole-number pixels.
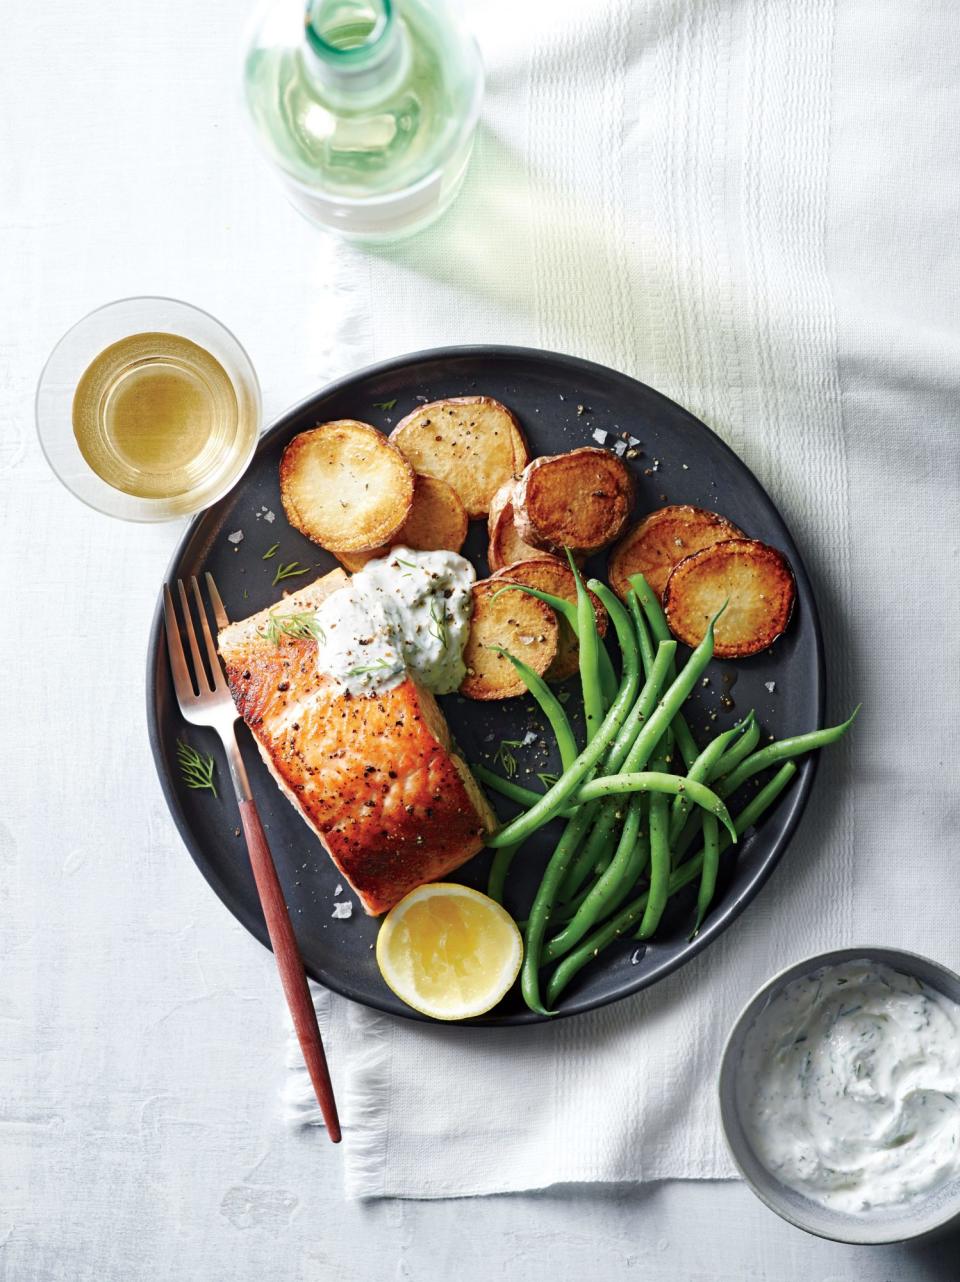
[{"x": 367, "y": 107}]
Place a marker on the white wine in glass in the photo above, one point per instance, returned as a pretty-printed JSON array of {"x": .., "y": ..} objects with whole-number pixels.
[{"x": 161, "y": 420}]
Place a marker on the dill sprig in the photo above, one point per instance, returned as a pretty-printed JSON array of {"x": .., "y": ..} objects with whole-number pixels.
[
  {"x": 289, "y": 571},
  {"x": 270, "y": 552},
  {"x": 364, "y": 668},
  {"x": 438, "y": 613},
  {"x": 505, "y": 757},
  {"x": 300, "y": 627},
  {"x": 196, "y": 768},
  {"x": 384, "y": 405},
  {"x": 547, "y": 778}
]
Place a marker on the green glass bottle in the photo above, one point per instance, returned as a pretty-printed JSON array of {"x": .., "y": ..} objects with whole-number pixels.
[{"x": 367, "y": 108}]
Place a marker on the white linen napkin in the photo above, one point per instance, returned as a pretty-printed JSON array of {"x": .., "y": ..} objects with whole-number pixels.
[{"x": 749, "y": 205}]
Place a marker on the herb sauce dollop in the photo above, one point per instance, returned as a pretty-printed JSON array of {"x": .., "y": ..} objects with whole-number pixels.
[{"x": 404, "y": 613}]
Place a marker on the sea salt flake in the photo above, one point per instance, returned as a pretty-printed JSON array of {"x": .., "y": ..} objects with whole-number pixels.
[
  {"x": 343, "y": 910},
  {"x": 599, "y": 435},
  {"x": 528, "y": 738},
  {"x": 339, "y": 889},
  {"x": 770, "y": 686},
  {"x": 235, "y": 537},
  {"x": 620, "y": 449}
]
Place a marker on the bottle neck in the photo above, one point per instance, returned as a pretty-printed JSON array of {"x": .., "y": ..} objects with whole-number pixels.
[{"x": 355, "y": 49}]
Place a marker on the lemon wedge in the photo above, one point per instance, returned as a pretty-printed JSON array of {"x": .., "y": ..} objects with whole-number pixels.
[{"x": 448, "y": 951}]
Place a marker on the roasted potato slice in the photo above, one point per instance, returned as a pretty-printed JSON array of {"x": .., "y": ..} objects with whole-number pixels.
[
  {"x": 437, "y": 520},
  {"x": 551, "y": 575},
  {"x": 345, "y": 486},
  {"x": 505, "y": 546},
  {"x": 580, "y": 500},
  {"x": 472, "y": 442},
  {"x": 755, "y": 580},
  {"x": 516, "y": 622},
  {"x": 656, "y": 544}
]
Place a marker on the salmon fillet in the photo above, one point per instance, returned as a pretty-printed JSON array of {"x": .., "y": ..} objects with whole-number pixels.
[{"x": 376, "y": 777}]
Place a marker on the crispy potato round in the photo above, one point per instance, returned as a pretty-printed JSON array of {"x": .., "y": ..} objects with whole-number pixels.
[
  {"x": 437, "y": 521},
  {"x": 580, "y": 500},
  {"x": 505, "y": 546},
  {"x": 656, "y": 544},
  {"x": 345, "y": 486},
  {"x": 515, "y": 622},
  {"x": 472, "y": 442},
  {"x": 551, "y": 575},
  {"x": 754, "y": 579}
]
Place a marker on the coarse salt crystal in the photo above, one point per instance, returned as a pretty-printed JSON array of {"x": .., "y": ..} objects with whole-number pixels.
[
  {"x": 343, "y": 910},
  {"x": 235, "y": 537},
  {"x": 770, "y": 685},
  {"x": 600, "y": 436},
  {"x": 339, "y": 889},
  {"x": 528, "y": 738},
  {"x": 620, "y": 449}
]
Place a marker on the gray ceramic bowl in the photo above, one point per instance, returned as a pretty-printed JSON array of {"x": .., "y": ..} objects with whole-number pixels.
[{"x": 930, "y": 1216}]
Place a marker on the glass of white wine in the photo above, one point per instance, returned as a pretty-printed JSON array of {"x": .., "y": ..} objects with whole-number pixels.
[{"x": 148, "y": 409}]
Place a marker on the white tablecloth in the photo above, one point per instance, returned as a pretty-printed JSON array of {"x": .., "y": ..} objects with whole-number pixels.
[{"x": 752, "y": 206}]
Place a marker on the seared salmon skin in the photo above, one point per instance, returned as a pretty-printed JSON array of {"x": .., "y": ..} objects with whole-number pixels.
[{"x": 376, "y": 776}]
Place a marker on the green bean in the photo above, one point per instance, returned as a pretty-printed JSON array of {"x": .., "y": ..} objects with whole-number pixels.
[
  {"x": 557, "y": 797},
  {"x": 499, "y": 869},
  {"x": 550, "y": 706},
  {"x": 642, "y": 709},
  {"x": 588, "y": 655},
  {"x": 646, "y": 738},
  {"x": 599, "y": 837},
  {"x": 553, "y": 710},
  {"x": 568, "y": 611},
  {"x": 708, "y": 873},
  {"x": 642, "y": 630},
  {"x": 701, "y": 772},
  {"x": 658, "y": 782},
  {"x": 659, "y": 846},
  {"x": 662, "y": 717},
  {"x": 661, "y": 631},
  {"x": 612, "y": 930},
  {"x": 539, "y": 917},
  {"x": 611, "y": 887},
  {"x": 742, "y": 748},
  {"x": 783, "y": 750},
  {"x": 597, "y": 842},
  {"x": 554, "y": 800}
]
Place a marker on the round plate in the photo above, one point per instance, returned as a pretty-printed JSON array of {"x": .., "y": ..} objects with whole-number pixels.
[{"x": 562, "y": 402}]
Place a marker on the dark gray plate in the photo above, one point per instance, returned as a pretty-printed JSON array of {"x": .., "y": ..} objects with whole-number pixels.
[{"x": 682, "y": 462}]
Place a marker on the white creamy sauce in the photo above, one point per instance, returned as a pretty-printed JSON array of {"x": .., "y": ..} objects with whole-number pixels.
[
  {"x": 850, "y": 1087},
  {"x": 407, "y": 612}
]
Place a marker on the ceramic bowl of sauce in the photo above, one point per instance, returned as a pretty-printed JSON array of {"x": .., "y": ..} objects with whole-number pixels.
[{"x": 840, "y": 1095}]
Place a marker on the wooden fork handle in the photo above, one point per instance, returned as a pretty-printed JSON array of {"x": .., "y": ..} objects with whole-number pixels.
[{"x": 290, "y": 964}]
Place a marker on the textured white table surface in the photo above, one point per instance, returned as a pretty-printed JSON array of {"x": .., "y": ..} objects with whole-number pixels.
[{"x": 141, "y": 1036}]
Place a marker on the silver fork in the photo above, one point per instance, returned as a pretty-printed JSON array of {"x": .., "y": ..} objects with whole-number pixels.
[{"x": 205, "y": 700}]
